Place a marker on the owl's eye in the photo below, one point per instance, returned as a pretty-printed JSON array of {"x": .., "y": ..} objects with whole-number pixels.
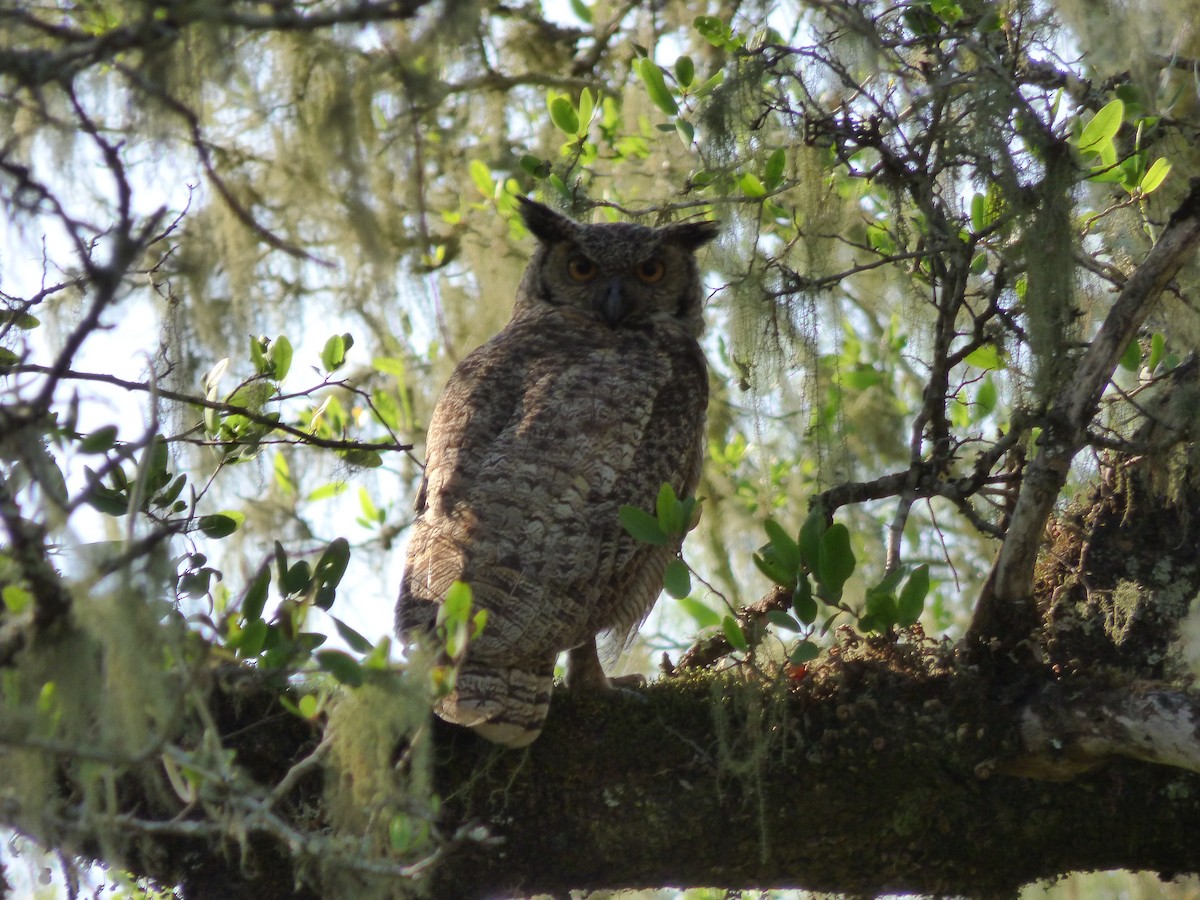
[
  {"x": 580, "y": 268},
  {"x": 650, "y": 271}
]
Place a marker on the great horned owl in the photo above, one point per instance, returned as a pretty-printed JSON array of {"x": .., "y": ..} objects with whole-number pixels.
[{"x": 590, "y": 398}]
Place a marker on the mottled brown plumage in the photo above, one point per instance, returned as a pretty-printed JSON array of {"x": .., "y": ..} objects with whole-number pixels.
[{"x": 590, "y": 398}]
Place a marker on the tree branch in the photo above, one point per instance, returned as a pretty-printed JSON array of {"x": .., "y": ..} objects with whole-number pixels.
[{"x": 1005, "y": 612}]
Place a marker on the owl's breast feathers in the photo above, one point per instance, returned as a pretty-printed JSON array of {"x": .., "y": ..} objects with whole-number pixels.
[{"x": 537, "y": 440}]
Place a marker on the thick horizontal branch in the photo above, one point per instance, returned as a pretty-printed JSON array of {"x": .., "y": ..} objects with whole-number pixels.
[
  {"x": 868, "y": 776},
  {"x": 858, "y": 781},
  {"x": 1064, "y": 735}
]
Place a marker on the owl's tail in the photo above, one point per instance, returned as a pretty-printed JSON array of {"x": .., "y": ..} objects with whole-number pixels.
[{"x": 504, "y": 704}]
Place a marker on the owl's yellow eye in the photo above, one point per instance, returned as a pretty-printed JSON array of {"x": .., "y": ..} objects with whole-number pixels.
[
  {"x": 650, "y": 271},
  {"x": 580, "y": 268}
]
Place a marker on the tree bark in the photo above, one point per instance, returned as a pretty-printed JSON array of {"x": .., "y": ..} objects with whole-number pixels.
[{"x": 890, "y": 768}]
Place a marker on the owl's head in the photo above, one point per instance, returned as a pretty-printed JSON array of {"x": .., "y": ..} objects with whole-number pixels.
[{"x": 624, "y": 274}]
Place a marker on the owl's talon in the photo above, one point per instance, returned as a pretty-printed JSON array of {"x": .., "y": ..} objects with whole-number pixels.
[{"x": 628, "y": 681}]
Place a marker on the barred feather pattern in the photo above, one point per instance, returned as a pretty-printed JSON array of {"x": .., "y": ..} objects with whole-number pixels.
[{"x": 590, "y": 398}]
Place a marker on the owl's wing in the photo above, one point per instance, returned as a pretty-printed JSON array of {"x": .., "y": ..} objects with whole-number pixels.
[{"x": 536, "y": 443}]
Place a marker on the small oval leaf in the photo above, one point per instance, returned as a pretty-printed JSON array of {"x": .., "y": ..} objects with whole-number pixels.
[
  {"x": 341, "y": 666},
  {"x": 912, "y": 596},
  {"x": 220, "y": 525},
  {"x": 642, "y": 526},
  {"x": 1102, "y": 128},
  {"x": 734, "y": 634},
  {"x": 563, "y": 115},
  {"x": 677, "y": 580},
  {"x": 656, "y": 86}
]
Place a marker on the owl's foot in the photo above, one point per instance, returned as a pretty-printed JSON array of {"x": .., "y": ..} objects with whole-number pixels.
[
  {"x": 584, "y": 672},
  {"x": 636, "y": 680}
]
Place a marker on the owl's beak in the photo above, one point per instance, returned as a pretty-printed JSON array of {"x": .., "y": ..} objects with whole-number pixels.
[{"x": 613, "y": 306}]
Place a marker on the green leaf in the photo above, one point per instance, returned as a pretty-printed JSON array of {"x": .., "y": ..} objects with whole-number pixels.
[
  {"x": 986, "y": 357},
  {"x": 717, "y": 33},
  {"x": 341, "y": 666},
  {"x": 751, "y": 186},
  {"x": 986, "y": 396},
  {"x": 281, "y": 561},
  {"x": 710, "y": 84},
  {"x": 257, "y": 358},
  {"x": 535, "y": 166},
  {"x": 307, "y": 706},
  {"x": 912, "y": 597},
  {"x": 810, "y": 539},
  {"x": 1132, "y": 357},
  {"x": 734, "y": 634},
  {"x": 803, "y": 602},
  {"x": 686, "y": 131},
  {"x": 196, "y": 585},
  {"x": 481, "y": 177},
  {"x": 16, "y": 598},
  {"x": 804, "y": 651},
  {"x": 297, "y": 579},
  {"x": 1154, "y": 175},
  {"x": 656, "y": 86},
  {"x": 1158, "y": 348},
  {"x": 325, "y": 491},
  {"x": 99, "y": 441},
  {"x": 156, "y": 470},
  {"x": 836, "y": 560},
  {"x": 171, "y": 493},
  {"x": 255, "y": 598},
  {"x": 704, "y": 616},
  {"x": 18, "y": 319},
  {"x": 478, "y": 623},
  {"x": 677, "y": 579},
  {"x": 353, "y": 639},
  {"x": 685, "y": 71},
  {"x": 371, "y": 513},
  {"x": 332, "y": 564},
  {"x": 882, "y": 610},
  {"x": 773, "y": 569},
  {"x": 250, "y": 639},
  {"x": 773, "y": 172},
  {"x": 456, "y": 608},
  {"x": 787, "y": 551},
  {"x": 668, "y": 510},
  {"x": 642, "y": 526},
  {"x": 563, "y": 115},
  {"x": 281, "y": 357},
  {"x": 862, "y": 377},
  {"x": 220, "y": 525},
  {"x": 1098, "y": 133},
  {"x": 587, "y": 106},
  {"x": 978, "y": 212},
  {"x": 333, "y": 356},
  {"x": 780, "y": 619},
  {"x": 582, "y": 11},
  {"x": 692, "y": 511}
]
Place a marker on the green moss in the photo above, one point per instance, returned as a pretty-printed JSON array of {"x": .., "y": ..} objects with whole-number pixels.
[{"x": 378, "y": 789}]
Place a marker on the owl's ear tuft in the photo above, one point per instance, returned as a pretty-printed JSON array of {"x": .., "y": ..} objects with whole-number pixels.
[
  {"x": 545, "y": 223},
  {"x": 691, "y": 235}
]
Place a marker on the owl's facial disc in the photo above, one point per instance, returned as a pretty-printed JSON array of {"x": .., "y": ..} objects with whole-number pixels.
[{"x": 613, "y": 305}]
